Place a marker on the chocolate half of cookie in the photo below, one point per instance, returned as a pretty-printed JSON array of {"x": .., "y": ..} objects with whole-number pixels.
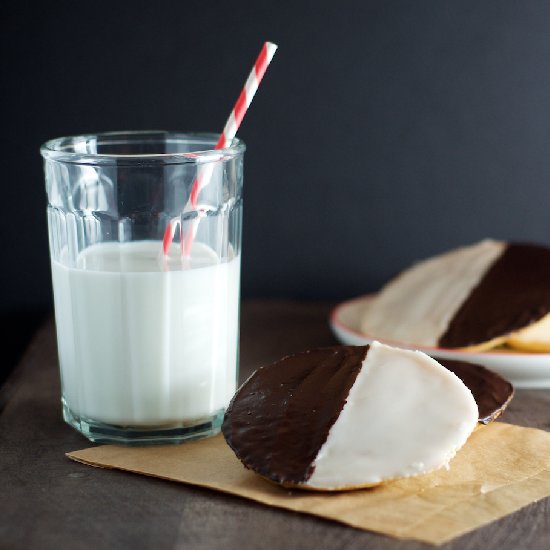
[
  {"x": 491, "y": 392},
  {"x": 347, "y": 417},
  {"x": 513, "y": 293}
]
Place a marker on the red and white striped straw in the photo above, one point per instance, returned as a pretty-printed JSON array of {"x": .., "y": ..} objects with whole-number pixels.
[{"x": 226, "y": 137}]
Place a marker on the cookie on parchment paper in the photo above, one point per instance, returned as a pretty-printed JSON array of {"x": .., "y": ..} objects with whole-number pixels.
[{"x": 349, "y": 417}]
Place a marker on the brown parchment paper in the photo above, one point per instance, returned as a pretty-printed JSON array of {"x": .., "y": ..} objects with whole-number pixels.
[{"x": 500, "y": 469}]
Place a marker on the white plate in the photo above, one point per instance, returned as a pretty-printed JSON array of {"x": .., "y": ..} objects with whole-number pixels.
[{"x": 524, "y": 370}]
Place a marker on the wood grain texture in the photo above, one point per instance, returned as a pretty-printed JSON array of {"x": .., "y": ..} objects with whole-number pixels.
[{"x": 48, "y": 501}]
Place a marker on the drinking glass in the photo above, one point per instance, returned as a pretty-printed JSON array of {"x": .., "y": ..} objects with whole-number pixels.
[{"x": 147, "y": 341}]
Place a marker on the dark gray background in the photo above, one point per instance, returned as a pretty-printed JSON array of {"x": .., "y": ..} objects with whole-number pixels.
[{"x": 384, "y": 131}]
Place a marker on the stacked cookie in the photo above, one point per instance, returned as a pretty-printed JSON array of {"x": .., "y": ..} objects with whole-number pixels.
[
  {"x": 472, "y": 298},
  {"x": 348, "y": 417}
]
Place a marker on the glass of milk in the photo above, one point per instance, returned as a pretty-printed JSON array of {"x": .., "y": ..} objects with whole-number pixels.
[{"x": 148, "y": 342}]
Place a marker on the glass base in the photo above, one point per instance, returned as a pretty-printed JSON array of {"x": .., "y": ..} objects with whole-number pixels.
[{"x": 98, "y": 432}]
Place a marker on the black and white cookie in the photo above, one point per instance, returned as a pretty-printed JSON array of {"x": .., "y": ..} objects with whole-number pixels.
[
  {"x": 348, "y": 417},
  {"x": 475, "y": 298}
]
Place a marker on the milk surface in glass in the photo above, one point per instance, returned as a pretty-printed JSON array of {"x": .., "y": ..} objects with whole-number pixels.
[{"x": 143, "y": 339}]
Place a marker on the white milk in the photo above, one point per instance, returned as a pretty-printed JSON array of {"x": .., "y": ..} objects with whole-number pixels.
[{"x": 145, "y": 341}]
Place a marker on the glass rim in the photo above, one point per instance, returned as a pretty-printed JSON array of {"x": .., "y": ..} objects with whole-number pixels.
[{"x": 58, "y": 149}]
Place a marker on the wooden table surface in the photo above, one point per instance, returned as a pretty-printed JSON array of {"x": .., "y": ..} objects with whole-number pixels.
[{"x": 48, "y": 501}]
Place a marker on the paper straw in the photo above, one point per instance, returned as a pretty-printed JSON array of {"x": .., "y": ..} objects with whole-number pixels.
[{"x": 226, "y": 137}]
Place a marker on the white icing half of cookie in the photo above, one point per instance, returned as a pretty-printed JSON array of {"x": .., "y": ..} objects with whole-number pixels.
[
  {"x": 405, "y": 415},
  {"x": 417, "y": 306}
]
